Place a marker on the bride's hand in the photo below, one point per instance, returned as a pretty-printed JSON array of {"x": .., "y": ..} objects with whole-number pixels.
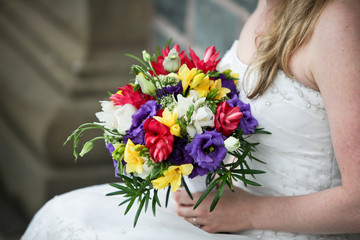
[{"x": 231, "y": 214}]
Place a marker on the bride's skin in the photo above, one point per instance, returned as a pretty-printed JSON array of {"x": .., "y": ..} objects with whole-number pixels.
[{"x": 329, "y": 63}]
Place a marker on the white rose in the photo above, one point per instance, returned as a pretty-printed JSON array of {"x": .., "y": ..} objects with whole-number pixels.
[
  {"x": 116, "y": 117},
  {"x": 232, "y": 144},
  {"x": 123, "y": 116},
  {"x": 107, "y": 116}
]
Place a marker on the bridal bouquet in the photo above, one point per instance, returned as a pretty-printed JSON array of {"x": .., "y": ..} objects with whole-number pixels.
[{"x": 180, "y": 117}]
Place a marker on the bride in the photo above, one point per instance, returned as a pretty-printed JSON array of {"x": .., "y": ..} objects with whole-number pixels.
[{"x": 299, "y": 64}]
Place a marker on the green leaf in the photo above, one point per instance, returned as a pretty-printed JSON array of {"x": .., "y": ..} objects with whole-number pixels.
[
  {"x": 168, "y": 43},
  {"x": 115, "y": 193},
  {"x": 137, "y": 59},
  {"x": 147, "y": 198},
  {"x": 186, "y": 187},
  {"x": 167, "y": 196},
  {"x": 142, "y": 202},
  {"x": 154, "y": 202},
  {"x": 218, "y": 195},
  {"x": 248, "y": 171},
  {"x": 129, "y": 205},
  {"x": 247, "y": 181},
  {"x": 208, "y": 190}
]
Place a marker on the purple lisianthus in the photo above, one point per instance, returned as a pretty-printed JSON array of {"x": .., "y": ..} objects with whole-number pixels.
[
  {"x": 175, "y": 89},
  {"x": 207, "y": 150},
  {"x": 136, "y": 132},
  {"x": 180, "y": 156},
  {"x": 247, "y": 123},
  {"x": 228, "y": 83},
  {"x": 111, "y": 149}
]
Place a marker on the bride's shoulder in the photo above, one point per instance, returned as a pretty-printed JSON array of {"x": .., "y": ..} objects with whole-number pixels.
[
  {"x": 334, "y": 44},
  {"x": 340, "y": 18}
]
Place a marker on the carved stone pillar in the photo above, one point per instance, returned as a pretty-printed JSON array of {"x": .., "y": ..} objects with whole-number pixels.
[{"x": 58, "y": 59}]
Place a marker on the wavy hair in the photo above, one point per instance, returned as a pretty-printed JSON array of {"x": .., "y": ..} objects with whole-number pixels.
[{"x": 291, "y": 27}]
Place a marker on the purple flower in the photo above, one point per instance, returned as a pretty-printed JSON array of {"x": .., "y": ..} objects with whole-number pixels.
[
  {"x": 111, "y": 149},
  {"x": 207, "y": 150},
  {"x": 247, "y": 123},
  {"x": 227, "y": 83},
  {"x": 136, "y": 132},
  {"x": 177, "y": 89},
  {"x": 198, "y": 171},
  {"x": 179, "y": 155}
]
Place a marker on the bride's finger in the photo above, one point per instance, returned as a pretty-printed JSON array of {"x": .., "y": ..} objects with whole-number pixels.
[
  {"x": 194, "y": 221},
  {"x": 185, "y": 211},
  {"x": 182, "y": 197}
]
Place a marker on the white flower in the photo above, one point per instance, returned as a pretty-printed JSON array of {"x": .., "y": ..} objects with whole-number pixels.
[
  {"x": 116, "y": 117},
  {"x": 201, "y": 118},
  {"x": 146, "y": 169},
  {"x": 202, "y": 115},
  {"x": 232, "y": 144},
  {"x": 185, "y": 103}
]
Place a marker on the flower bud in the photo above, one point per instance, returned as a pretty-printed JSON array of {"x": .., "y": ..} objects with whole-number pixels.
[
  {"x": 172, "y": 62},
  {"x": 146, "y": 56},
  {"x": 232, "y": 144},
  {"x": 86, "y": 148},
  {"x": 147, "y": 87}
]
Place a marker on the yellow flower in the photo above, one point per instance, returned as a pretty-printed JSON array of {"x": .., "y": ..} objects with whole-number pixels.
[
  {"x": 173, "y": 176},
  {"x": 186, "y": 75},
  {"x": 132, "y": 158},
  {"x": 175, "y": 130},
  {"x": 169, "y": 119},
  {"x": 201, "y": 84},
  {"x": 222, "y": 91}
]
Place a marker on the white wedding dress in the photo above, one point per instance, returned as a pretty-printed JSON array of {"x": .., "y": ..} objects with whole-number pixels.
[{"x": 300, "y": 160}]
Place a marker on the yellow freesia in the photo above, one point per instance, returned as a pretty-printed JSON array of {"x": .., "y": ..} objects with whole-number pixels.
[
  {"x": 186, "y": 75},
  {"x": 132, "y": 158},
  {"x": 222, "y": 91},
  {"x": 169, "y": 119},
  {"x": 201, "y": 84},
  {"x": 173, "y": 176},
  {"x": 175, "y": 130}
]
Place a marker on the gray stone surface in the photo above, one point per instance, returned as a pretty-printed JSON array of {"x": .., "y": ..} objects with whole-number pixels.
[
  {"x": 215, "y": 25},
  {"x": 58, "y": 59},
  {"x": 173, "y": 10}
]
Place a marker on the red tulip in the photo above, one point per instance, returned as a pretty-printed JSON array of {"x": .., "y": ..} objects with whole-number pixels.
[
  {"x": 158, "y": 139},
  {"x": 227, "y": 118}
]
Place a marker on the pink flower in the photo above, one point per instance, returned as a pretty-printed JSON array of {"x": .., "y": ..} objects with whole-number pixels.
[
  {"x": 209, "y": 62},
  {"x": 158, "y": 139},
  {"x": 227, "y": 118},
  {"x": 127, "y": 95}
]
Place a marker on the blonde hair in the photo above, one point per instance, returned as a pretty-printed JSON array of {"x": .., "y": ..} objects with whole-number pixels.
[{"x": 292, "y": 25}]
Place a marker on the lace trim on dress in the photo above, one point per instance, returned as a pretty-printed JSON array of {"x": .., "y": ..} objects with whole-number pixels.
[{"x": 311, "y": 97}]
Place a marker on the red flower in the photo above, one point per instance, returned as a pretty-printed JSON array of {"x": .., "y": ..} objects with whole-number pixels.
[
  {"x": 209, "y": 62},
  {"x": 227, "y": 118},
  {"x": 158, "y": 139},
  {"x": 158, "y": 65},
  {"x": 129, "y": 96}
]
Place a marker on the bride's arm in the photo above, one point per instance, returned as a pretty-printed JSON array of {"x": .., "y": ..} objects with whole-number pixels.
[{"x": 335, "y": 66}]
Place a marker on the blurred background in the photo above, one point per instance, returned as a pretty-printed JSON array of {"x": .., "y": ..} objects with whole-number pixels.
[{"x": 58, "y": 58}]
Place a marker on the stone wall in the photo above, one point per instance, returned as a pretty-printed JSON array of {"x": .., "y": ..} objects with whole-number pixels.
[
  {"x": 200, "y": 23},
  {"x": 59, "y": 58}
]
